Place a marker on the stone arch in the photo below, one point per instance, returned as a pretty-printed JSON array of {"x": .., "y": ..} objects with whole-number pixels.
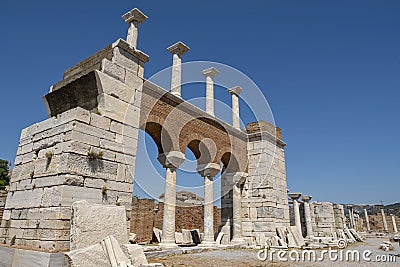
[{"x": 159, "y": 135}]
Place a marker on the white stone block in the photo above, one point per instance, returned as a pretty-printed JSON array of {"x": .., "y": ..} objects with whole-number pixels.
[
  {"x": 88, "y": 257},
  {"x": 113, "y": 70},
  {"x": 92, "y": 223},
  {"x": 100, "y": 121}
]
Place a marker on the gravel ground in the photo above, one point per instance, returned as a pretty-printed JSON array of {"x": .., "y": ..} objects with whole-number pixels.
[{"x": 248, "y": 257}]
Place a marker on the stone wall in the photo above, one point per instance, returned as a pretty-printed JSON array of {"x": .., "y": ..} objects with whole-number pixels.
[
  {"x": 340, "y": 218},
  {"x": 264, "y": 195},
  {"x": 78, "y": 153},
  {"x": 3, "y": 196},
  {"x": 323, "y": 220},
  {"x": 146, "y": 214}
]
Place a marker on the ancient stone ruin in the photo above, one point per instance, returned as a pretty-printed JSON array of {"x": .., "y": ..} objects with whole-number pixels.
[{"x": 71, "y": 188}]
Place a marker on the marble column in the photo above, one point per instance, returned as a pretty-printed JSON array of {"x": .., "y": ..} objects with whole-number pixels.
[
  {"x": 296, "y": 210},
  {"x": 208, "y": 172},
  {"x": 170, "y": 162},
  {"x": 351, "y": 216},
  {"x": 238, "y": 179},
  {"x": 385, "y": 226},
  {"x": 134, "y": 18},
  {"x": 367, "y": 219},
  {"x": 210, "y": 75},
  {"x": 235, "y": 92},
  {"x": 177, "y": 50},
  {"x": 307, "y": 215},
  {"x": 394, "y": 223}
]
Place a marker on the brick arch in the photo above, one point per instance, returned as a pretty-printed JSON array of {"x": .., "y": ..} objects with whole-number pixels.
[{"x": 159, "y": 135}]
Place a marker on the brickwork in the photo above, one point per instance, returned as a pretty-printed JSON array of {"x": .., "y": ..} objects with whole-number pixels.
[
  {"x": 376, "y": 223},
  {"x": 146, "y": 215}
]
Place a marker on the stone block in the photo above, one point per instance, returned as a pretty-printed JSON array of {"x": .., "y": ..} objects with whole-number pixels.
[
  {"x": 113, "y": 70},
  {"x": 92, "y": 223},
  {"x": 100, "y": 121},
  {"x": 116, "y": 89},
  {"x": 135, "y": 253},
  {"x": 187, "y": 236},
  {"x": 125, "y": 59},
  {"x": 75, "y": 114},
  {"x": 88, "y": 257}
]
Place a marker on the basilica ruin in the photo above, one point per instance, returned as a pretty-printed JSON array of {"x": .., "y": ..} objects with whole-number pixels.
[{"x": 86, "y": 151}]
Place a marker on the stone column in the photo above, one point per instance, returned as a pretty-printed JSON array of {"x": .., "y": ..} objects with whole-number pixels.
[
  {"x": 208, "y": 172},
  {"x": 235, "y": 92},
  {"x": 177, "y": 50},
  {"x": 238, "y": 179},
  {"x": 307, "y": 215},
  {"x": 351, "y": 216},
  {"x": 296, "y": 210},
  {"x": 171, "y": 162},
  {"x": 385, "y": 226},
  {"x": 394, "y": 223},
  {"x": 210, "y": 75},
  {"x": 367, "y": 219},
  {"x": 134, "y": 18}
]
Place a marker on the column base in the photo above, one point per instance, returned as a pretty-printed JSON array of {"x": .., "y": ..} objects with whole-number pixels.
[
  {"x": 207, "y": 244},
  {"x": 169, "y": 245},
  {"x": 238, "y": 241}
]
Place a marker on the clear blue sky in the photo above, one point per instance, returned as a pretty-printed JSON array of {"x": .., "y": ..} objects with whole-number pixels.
[{"x": 329, "y": 69}]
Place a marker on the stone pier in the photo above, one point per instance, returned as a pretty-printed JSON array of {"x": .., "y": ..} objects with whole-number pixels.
[{"x": 366, "y": 218}]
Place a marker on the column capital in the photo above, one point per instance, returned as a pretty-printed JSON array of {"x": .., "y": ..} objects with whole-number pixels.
[
  {"x": 172, "y": 159},
  {"x": 178, "y": 48},
  {"x": 294, "y": 196},
  {"x": 306, "y": 198},
  {"x": 208, "y": 170},
  {"x": 210, "y": 72},
  {"x": 135, "y": 15},
  {"x": 237, "y": 90}
]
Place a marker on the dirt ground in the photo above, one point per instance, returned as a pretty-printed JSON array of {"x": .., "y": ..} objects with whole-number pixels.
[{"x": 248, "y": 257}]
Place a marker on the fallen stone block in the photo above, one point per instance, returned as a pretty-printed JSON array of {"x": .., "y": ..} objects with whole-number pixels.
[
  {"x": 157, "y": 235},
  {"x": 187, "y": 236},
  {"x": 90, "y": 224},
  {"x": 114, "y": 253},
  {"x": 86, "y": 257},
  {"x": 135, "y": 253}
]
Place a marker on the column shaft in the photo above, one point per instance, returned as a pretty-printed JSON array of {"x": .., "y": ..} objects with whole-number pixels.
[
  {"x": 394, "y": 224},
  {"x": 235, "y": 111},
  {"x": 132, "y": 36},
  {"x": 176, "y": 79},
  {"x": 297, "y": 221},
  {"x": 385, "y": 226},
  {"x": 210, "y": 95},
  {"x": 208, "y": 210},
  {"x": 237, "y": 216},
  {"x": 367, "y": 220},
  {"x": 168, "y": 231},
  {"x": 307, "y": 215}
]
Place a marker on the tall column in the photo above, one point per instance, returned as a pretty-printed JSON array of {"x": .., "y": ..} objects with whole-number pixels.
[
  {"x": 208, "y": 172},
  {"x": 134, "y": 18},
  {"x": 210, "y": 75},
  {"x": 296, "y": 210},
  {"x": 351, "y": 215},
  {"x": 171, "y": 162},
  {"x": 394, "y": 223},
  {"x": 385, "y": 226},
  {"x": 238, "y": 179},
  {"x": 307, "y": 215},
  {"x": 235, "y": 92},
  {"x": 177, "y": 50},
  {"x": 367, "y": 219}
]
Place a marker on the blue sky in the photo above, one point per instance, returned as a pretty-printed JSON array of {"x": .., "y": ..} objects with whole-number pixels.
[{"x": 329, "y": 70}]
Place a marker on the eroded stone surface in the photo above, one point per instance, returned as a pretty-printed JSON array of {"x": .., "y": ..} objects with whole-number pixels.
[{"x": 92, "y": 223}]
